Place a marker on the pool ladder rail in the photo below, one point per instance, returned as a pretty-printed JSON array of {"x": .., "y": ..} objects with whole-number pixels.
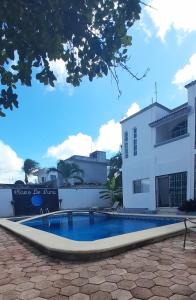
[{"x": 42, "y": 211}]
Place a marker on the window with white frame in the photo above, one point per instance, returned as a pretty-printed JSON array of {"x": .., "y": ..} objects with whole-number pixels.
[
  {"x": 126, "y": 149},
  {"x": 134, "y": 141},
  {"x": 141, "y": 186}
]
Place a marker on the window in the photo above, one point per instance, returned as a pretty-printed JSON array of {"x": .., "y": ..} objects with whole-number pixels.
[
  {"x": 180, "y": 129},
  {"x": 53, "y": 177},
  {"x": 126, "y": 150},
  {"x": 43, "y": 179},
  {"x": 134, "y": 141},
  {"x": 177, "y": 188},
  {"x": 141, "y": 186}
]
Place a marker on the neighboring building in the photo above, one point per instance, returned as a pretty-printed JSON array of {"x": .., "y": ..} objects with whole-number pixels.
[
  {"x": 94, "y": 167},
  {"x": 159, "y": 155},
  {"x": 44, "y": 176}
]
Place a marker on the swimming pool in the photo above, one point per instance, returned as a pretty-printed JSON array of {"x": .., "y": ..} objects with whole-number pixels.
[{"x": 92, "y": 227}]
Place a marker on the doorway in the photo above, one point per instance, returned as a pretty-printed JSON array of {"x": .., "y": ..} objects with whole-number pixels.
[{"x": 171, "y": 189}]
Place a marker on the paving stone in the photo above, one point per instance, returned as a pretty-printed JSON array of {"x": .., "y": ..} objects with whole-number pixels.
[
  {"x": 43, "y": 284},
  {"x": 29, "y": 294},
  {"x": 108, "y": 286},
  {"x": 49, "y": 292},
  {"x": 71, "y": 276},
  {"x": 158, "y": 298},
  {"x": 193, "y": 286},
  {"x": 181, "y": 280},
  {"x": 114, "y": 278},
  {"x": 147, "y": 275},
  {"x": 163, "y": 281},
  {"x": 179, "y": 297},
  {"x": 118, "y": 271},
  {"x": 126, "y": 284},
  {"x": 10, "y": 295},
  {"x": 54, "y": 277},
  {"x": 130, "y": 276},
  {"x": 141, "y": 293},
  {"x": 193, "y": 296},
  {"x": 161, "y": 291},
  {"x": 6, "y": 287},
  {"x": 146, "y": 283},
  {"x": 38, "y": 278},
  {"x": 69, "y": 290},
  {"x": 79, "y": 296},
  {"x": 61, "y": 283},
  {"x": 100, "y": 295},
  {"x": 79, "y": 281},
  {"x": 89, "y": 288},
  {"x": 121, "y": 295},
  {"x": 162, "y": 273},
  {"x": 59, "y": 297},
  {"x": 155, "y": 272},
  {"x": 24, "y": 286},
  {"x": 181, "y": 290},
  {"x": 97, "y": 279}
]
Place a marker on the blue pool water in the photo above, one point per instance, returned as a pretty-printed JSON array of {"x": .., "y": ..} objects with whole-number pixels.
[{"x": 89, "y": 228}]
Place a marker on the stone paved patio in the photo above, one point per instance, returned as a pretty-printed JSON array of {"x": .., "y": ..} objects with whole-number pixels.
[{"x": 157, "y": 272}]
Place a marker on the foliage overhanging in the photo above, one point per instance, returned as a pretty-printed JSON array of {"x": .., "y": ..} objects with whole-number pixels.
[{"x": 90, "y": 36}]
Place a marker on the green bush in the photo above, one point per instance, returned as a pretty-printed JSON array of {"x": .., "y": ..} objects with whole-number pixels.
[{"x": 188, "y": 205}]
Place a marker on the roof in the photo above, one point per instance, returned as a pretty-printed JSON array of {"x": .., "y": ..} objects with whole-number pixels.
[
  {"x": 190, "y": 84},
  {"x": 86, "y": 159},
  {"x": 180, "y": 110},
  {"x": 146, "y": 108}
]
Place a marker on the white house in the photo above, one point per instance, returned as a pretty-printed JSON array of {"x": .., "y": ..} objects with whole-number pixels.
[
  {"x": 94, "y": 167},
  {"x": 159, "y": 155},
  {"x": 45, "y": 176}
]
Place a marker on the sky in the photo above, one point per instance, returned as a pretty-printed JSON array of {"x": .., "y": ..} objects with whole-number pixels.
[{"x": 55, "y": 123}]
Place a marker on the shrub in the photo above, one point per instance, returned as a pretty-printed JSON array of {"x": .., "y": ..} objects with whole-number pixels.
[{"x": 188, "y": 205}]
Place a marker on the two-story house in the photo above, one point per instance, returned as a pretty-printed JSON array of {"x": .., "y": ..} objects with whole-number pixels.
[
  {"x": 94, "y": 167},
  {"x": 159, "y": 151}
]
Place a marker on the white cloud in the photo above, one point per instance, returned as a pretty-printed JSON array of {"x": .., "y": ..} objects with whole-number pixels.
[
  {"x": 133, "y": 109},
  {"x": 109, "y": 139},
  {"x": 187, "y": 73},
  {"x": 167, "y": 14},
  {"x": 59, "y": 68},
  {"x": 10, "y": 164},
  {"x": 74, "y": 144}
]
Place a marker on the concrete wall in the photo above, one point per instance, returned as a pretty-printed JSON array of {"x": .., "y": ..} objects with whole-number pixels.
[
  {"x": 72, "y": 198},
  {"x": 6, "y": 209},
  {"x": 176, "y": 156},
  {"x": 81, "y": 198}
]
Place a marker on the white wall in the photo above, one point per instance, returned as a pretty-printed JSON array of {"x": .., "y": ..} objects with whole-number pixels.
[
  {"x": 6, "y": 209},
  {"x": 153, "y": 161},
  {"x": 81, "y": 198},
  {"x": 72, "y": 198}
]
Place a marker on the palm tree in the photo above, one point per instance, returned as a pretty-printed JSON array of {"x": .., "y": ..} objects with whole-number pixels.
[
  {"x": 68, "y": 171},
  {"x": 112, "y": 192},
  {"x": 115, "y": 168},
  {"x": 29, "y": 167}
]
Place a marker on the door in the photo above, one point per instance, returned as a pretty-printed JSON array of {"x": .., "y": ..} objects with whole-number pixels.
[{"x": 163, "y": 191}]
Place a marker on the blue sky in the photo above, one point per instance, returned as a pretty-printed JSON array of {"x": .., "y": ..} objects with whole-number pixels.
[{"x": 51, "y": 124}]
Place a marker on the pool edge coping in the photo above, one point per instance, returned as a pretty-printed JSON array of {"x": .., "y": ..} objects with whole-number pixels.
[{"x": 62, "y": 247}]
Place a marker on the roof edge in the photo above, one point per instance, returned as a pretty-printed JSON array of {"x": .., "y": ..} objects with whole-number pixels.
[
  {"x": 190, "y": 84},
  {"x": 146, "y": 108}
]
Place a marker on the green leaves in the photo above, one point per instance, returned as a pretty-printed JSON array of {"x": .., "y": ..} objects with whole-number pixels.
[{"x": 89, "y": 36}]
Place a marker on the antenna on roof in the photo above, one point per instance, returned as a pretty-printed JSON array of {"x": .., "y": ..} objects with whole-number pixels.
[
  {"x": 155, "y": 86},
  {"x": 152, "y": 100}
]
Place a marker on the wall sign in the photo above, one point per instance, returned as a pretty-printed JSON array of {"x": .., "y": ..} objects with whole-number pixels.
[{"x": 30, "y": 201}]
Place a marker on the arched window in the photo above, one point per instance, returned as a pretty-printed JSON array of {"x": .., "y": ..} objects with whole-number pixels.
[{"x": 179, "y": 129}]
